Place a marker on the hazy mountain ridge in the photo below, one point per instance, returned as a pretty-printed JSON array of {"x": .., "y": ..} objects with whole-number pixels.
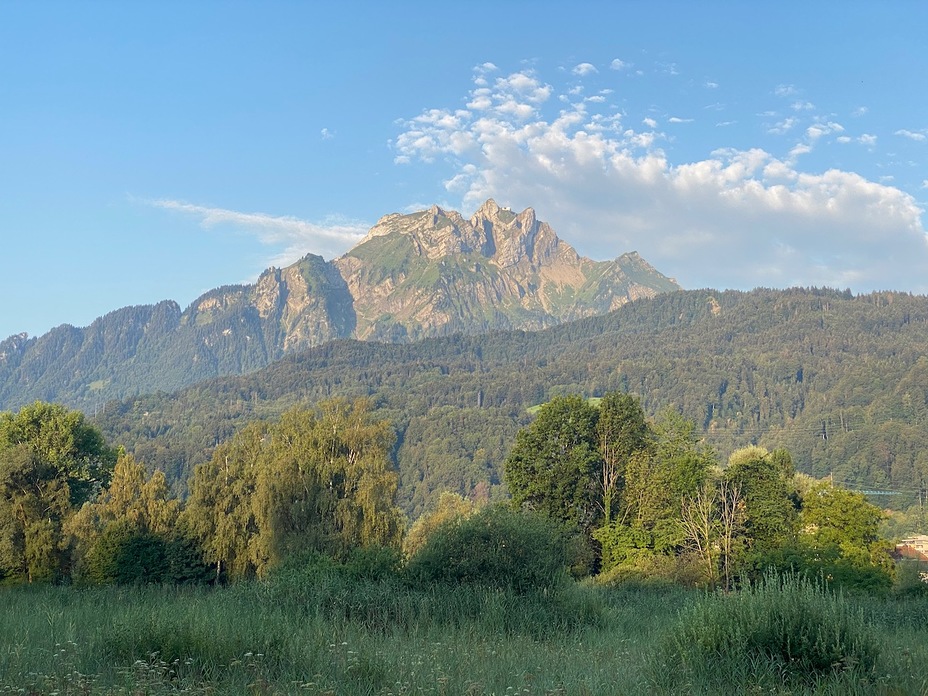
[{"x": 430, "y": 273}]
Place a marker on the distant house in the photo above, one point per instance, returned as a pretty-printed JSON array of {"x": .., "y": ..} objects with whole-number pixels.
[{"x": 915, "y": 547}]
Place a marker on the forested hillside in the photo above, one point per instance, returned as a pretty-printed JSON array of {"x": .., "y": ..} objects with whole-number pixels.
[{"x": 839, "y": 381}]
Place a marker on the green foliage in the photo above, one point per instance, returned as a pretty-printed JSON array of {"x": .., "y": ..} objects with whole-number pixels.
[
  {"x": 765, "y": 480},
  {"x": 62, "y": 439},
  {"x": 50, "y": 461},
  {"x": 450, "y": 507},
  {"x": 495, "y": 547},
  {"x": 126, "y": 555},
  {"x": 554, "y": 466},
  {"x": 659, "y": 478},
  {"x": 784, "y": 629},
  {"x": 312, "y": 481},
  {"x": 622, "y": 433}
]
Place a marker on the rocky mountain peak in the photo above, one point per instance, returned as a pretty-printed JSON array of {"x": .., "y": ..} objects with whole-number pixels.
[{"x": 514, "y": 238}]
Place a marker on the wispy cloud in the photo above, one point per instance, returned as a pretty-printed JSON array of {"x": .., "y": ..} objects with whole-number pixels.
[
  {"x": 785, "y": 91},
  {"x": 733, "y": 218},
  {"x": 291, "y": 236}
]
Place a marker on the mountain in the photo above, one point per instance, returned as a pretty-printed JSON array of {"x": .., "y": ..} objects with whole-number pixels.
[
  {"x": 431, "y": 273},
  {"x": 839, "y": 381},
  {"x": 434, "y": 273}
]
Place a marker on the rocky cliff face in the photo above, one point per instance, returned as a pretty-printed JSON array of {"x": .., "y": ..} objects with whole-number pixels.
[
  {"x": 413, "y": 276},
  {"x": 433, "y": 273}
]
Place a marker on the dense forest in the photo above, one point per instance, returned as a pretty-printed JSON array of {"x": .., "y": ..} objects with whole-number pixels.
[{"x": 839, "y": 381}]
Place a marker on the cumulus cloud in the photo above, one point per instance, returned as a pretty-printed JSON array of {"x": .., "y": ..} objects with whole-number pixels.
[
  {"x": 292, "y": 237},
  {"x": 584, "y": 69},
  {"x": 618, "y": 64},
  {"x": 912, "y": 135},
  {"x": 734, "y": 218},
  {"x": 785, "y": 91}
]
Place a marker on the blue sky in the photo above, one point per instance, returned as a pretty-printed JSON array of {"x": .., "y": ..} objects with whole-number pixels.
[{"x": 153, "y": 151}]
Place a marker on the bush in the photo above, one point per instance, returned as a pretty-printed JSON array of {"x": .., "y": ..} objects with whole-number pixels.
[
  {"x": 785, "y": 628},
  {"x": 497, "y": 548}
]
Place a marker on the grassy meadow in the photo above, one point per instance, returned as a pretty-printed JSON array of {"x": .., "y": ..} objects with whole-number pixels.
[{"x": 327, "y": 633}]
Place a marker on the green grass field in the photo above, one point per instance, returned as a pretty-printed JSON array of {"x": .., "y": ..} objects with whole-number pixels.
[{"x": 335, "y": 635}]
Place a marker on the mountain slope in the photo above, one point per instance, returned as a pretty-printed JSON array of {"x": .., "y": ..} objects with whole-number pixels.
[
  {"x": 840, "y": 381},
  {"x": 431, "y": 273}
]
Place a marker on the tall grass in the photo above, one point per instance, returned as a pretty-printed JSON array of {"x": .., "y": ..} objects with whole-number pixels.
[
  {"x": 784, "y": 634},
  {"x": 324, "y": 632}
]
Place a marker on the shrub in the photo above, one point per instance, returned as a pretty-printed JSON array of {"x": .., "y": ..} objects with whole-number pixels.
[
  {"x": 785, "y": 628},
  {"x": 496, "y": 547}
]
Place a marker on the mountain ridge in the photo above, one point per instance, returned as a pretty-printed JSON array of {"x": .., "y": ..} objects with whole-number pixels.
[{"x": 418, "y": 275}]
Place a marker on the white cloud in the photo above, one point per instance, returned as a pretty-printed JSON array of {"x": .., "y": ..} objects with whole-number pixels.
[
  {"x": 867, "y": 139},
  {"x": 735, "y": 218},
  {"x": 584, "y": 69},
  {"x": 618, "y": 64},
  {"x": 860, "y": 111},
  {"x": 677, "y": 119},
  {"x": 802, "y": 106},
  {"x": 783, "y": 126},
  {"x": 326, "y": 134},
  {"x": 785, "y": 91},
  {"x": 912, "y": 135},
  {"x": 711, "y": 85},
  {"x": 292, "y": 237}
]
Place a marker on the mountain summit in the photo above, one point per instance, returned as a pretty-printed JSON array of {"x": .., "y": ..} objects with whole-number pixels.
[
  {"x": 429, "y": 273},
  {"x": 433, "y": 273}
]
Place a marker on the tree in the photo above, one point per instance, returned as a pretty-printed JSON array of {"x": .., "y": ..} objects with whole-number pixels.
[
  {"x": 50, "y": 462},
  {"x": 712, "y": 519},
  {"x": 134, "y": 516},
  {"x": 61, "y": 438},
  {"x": 450, "y": 507},
  {"x": 554, "y": 466},
  {"x": 314, "y": 481},
  {"x": 841, "y": 525},
  {"x": 622, "y": 432},
  {"x": 765, "y": 480},
  {"x": 220, "y": 510},
  {"x": 658, "y": 479}
]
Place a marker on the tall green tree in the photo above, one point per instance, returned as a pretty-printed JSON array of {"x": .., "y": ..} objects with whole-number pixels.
[
  {"x": 843, "y": 525},
  {"x": 134, "y": 512},
  {"x": 317, "y": 480},
  {"x": 765, "y": 480},
  {"x": 554, "y": 467},
  {"x": 220, "y": 510},
  {"x": 657, "y": 481},
  {"x": 51, "y": 461},
  {"x": 622, "y": 431}
]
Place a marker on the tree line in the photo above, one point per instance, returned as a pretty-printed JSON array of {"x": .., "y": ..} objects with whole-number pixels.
[
  {"x": 632, "y": 498},
  {"x": 649, "y": 499}
]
